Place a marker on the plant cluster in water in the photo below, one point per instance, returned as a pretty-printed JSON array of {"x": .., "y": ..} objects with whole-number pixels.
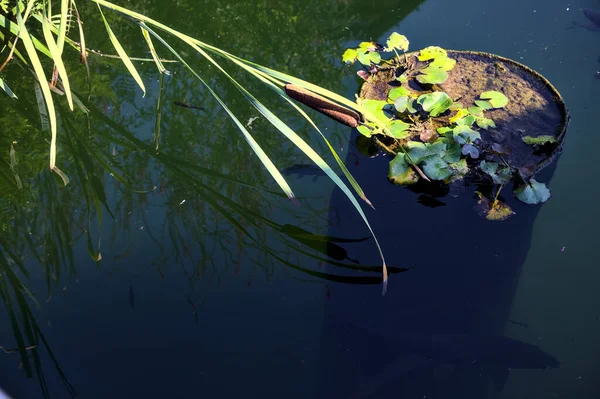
[{"x": 433, "y": 136}]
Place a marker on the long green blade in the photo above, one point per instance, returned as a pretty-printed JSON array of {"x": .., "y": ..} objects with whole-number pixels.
[
  {"x": 57, "y": 57},
  {"x": 121, "y": 51},
  {"x": 262, "y": 156},
  {"x": 39, "y": 72},
  {"x": 7, "y": 89}
]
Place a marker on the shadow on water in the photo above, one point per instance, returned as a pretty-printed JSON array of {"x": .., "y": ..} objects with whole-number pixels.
[{"x": 438, "y": 332}]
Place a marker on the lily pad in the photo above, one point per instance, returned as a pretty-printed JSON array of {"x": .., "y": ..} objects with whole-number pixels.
[
  {"x": 435, "y": 168},
  {"x": 495, "y": 98},
  {"x": 365, "y": 131},
  {"x": 400, "y": 172},
  {"x": 498, "y": 175},
  {"x": 484, "y": 105},
  {"x": 398, "y": 129},
  {"x": 376, "y": 108},
  {"x": 470, "y": 150},
  {"x": 484, "y": 123},
  {"x": 452, "y": 150},
  {"x": 464, "y": 134},
  {"x": 493, "y": 210},
  {"x": 432, "y": 52},
  {"x": 417, "y": 151},
  {"x": 435, "y": 103},
  {"x": 397, "y": 41},
  {"x": 533, "y": 193},
  {"x": 349, "y": 56},
  {"x": 397, "y": 92},
  {"x": 444, "y": 63},
  {"x": 368, "y": 58},
  {"x": 401, "y": 103},
  {"x": 432, "y": 75}
]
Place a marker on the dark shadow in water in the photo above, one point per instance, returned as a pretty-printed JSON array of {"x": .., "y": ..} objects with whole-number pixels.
[{"x": 438, "y": 332}]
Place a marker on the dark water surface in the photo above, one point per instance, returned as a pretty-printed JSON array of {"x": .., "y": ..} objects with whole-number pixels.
[{"x": 202, "y": 291}]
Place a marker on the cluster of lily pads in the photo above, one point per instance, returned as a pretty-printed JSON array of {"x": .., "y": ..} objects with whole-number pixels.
[{"x": 431, "y": 136}]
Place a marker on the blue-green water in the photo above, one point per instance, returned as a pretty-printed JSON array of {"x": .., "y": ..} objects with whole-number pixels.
[{"x": 200, "y": 293}]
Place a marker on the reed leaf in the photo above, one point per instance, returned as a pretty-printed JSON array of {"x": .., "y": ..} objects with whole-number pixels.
[
  {"x": 121, "y": 51},
  {"x": 57, "y": 58},
  {"x": 7, "y": 89}
]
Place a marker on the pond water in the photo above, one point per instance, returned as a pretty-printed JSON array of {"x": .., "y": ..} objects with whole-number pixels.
[{"x": 200, "y": 289}]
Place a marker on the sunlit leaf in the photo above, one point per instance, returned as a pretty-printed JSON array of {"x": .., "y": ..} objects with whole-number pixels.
[
  {"x": 461, "y": 113},
  {"x": 122, "y": 53},
  {"x": 375, "y": 107},
  {"x": 57, "y": 58},
  {"x": 444, "y": 63},
  {"x": 484, "y": 105},
  {"x": 365, "y": 131},
  {"x": 435, "y": 103},
  {"x": 467, "y": 120},
  {"x": 476, "y": 111},
  {"x": 401, "y": 103},
  {"x": 444, "y": 129},
  {"x": 459, "y": 168},
  {"x": 398, "y": 129},
  {"x": 432, "y": 75},
  {"x": 368, "y": 58},
  {"x": 493, "y": 210},
  {"x": 7, "y": 89},
  {"x": 397, "y": 41},
  {"x": 495, "y": 98},
  {"x": 533, "y": 193},
  {"x": 397, "y": 92},
  {"x": 349, "y": 56},
  {"x": 484, "y": 123},
  {"x": 539, "y": 140},
  {"x": 464, "y": 134},
  {"x": 431, "y": 52},
  {"x": 400, "y": 171}
]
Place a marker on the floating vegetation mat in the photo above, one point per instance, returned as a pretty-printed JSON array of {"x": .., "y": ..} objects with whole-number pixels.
[{"x": 458, "y": 117}]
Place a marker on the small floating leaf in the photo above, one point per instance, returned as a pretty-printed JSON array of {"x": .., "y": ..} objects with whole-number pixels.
[
  {"x": 498, "y": 175},
  {"x": 435, "y": 168},
  {"x": 397, "y": 92},
  {"x": 452, "y": 150},
  {"x": 484, "y": 105},
  {"x": 539, "y": 140},
  {"x": 349, "y": 56},
  {"x": 533, "y": 193},
  {"x": 444, "y": 63},
  {"x": 435, "y": 103},
  {"x": 417, "y": 151},
  {"x": 484, "y": 123},
  {"x": 461, "y": 113},
  {"x": 471, "y": 150},
  {"x": 400, "y": 172},
  {"x": 397, "y": 41},
  {"x": 496, "y": 99},
  {"x": 401, "y": 103},
  {"x": 368, "y": 58},
  {"x": 476, "y": 111},
  {"x": 365, "y": 131},
  {"x": 464, "y": 134},
  {"x": 493, "y": 210},
  {"x": 444, "y": 129},
  {"x": 398, "y": 129},
  {"x": 432, "y": 75},
  {"x": 459, "y": 168},
  {"x": 376, "y": 108},
  {"x": 431, "y": 52},
  {"x": 467, "y": 120}
]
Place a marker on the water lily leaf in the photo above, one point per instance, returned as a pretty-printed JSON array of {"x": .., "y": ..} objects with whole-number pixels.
[
  {"x": 471, "y": 150},
  {"x": 435, "y": 103},
  {"x": 539, "y": 140},
  {"x": 401, "y": 103},
  {"x": 368, "y": 46},
  {"x": 484, "y": 123},
  {"x": 376, "y": 108},
  {"x": 460, "y": 168},
  {"x": 464, "y": 134},
  {"x": 496, "y": 99},
  {"x": 397, "y": 92},
  {"x": 410, "y": 105},
  {"x": 365, "y": 131},
  {"x": 444, "y": 63},
  {"x": 438, "y": 147},
  {"x": 484, "y": 105},
  {"x": 498, "y": 175},
  {"x": 431, "y": 52},
  {"x": 369, "y": 57},
  {"x": 456, "y": 105},
  {"x": 417, "y": 151},
  {"x": 444, "y": 129},
  {"x": 349, "y": 56},
  {"x": 476, "y": 111},
  {"x": 397, "y": 41},
  {"x": 435, "y": 168},
  {"x": 533, "y": 193},
  {"x": 467, "y": 120},
  {"x": 432, "y": 75},
  {"x": 400, "y": 171},
  {"x": 461, "y": 113},
  {"x": 452, "y": 151},
  {"x": 493, "y": 210},
  {"x": 402, "y": 78},
  {"x": 398, "y": 129}
]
